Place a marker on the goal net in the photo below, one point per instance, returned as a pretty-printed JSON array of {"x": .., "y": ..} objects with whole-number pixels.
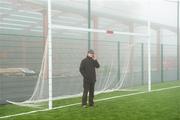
[
  {"x": 120, "y": 61},
  {"x": 55, "y": 79}
]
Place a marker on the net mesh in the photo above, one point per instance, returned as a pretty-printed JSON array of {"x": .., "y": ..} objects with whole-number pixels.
[
  {"x": 116, "y": 59},
  {"x": 118, "y": 56}
]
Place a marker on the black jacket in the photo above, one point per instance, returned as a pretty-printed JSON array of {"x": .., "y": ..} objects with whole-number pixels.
[{"x": 87, "y": 69}]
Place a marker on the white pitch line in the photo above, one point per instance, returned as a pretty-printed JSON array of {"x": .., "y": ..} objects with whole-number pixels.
[
  {"x": 136, "y": 93},
  {"x": 104, "y": 99}
]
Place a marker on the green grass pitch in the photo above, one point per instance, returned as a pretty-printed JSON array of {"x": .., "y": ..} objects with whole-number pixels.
[{"x": 158, "y": 105}]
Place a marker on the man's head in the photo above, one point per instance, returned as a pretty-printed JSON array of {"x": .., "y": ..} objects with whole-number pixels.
[{"x": 90, "y": 53}]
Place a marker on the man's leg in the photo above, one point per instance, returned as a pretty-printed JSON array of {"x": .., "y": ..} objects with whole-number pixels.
[
  {"x": 85, "y": 92},
  {"x": 91, "y": 94}
]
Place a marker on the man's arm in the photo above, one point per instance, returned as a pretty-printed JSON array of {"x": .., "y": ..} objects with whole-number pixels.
[
  {"x": 82, "y": 69},
  {"x": 96, "y": 63}
]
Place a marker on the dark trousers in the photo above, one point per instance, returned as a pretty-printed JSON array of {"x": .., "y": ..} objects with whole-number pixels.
[{"x": 88, "y": 88}]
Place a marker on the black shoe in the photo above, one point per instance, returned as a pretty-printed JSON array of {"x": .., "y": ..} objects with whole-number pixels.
[{"x": 91, "y": 105}]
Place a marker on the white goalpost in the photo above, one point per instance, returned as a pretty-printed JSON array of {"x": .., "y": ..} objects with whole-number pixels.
[
  {"x": 50, "y": 54},
  {"x": 149, "y": 46},
  {"x": 62, "y": 27}
]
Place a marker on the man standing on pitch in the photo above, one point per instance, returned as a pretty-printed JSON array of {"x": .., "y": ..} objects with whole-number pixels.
[{"x": 87, "y": 69}]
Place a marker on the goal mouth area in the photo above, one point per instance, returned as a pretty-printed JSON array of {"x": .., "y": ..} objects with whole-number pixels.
[{"x": 40, "y": 104}]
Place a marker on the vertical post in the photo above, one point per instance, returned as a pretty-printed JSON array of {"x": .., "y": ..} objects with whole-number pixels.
[
  {"x": 89, "y": 23},
  {"x": 49, "y": 54},
  {"x": 142, "y": 63},
  {"x": 149, "y": 48},
  {"x": 2, "y": 99},
  {"x": 118, "y": 54},
  {"x": 158, "y": 50},
  {"x": 178, "y": 40},
  {"x": 162, "y": 66},
  {"x": 2, "y": 91}
]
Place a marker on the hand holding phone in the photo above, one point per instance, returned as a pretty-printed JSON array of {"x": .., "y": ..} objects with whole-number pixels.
[{"x": 94, "y": 57}]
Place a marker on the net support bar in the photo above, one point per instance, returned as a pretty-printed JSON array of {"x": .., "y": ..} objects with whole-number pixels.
[{"x": 49, "y": 55}]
